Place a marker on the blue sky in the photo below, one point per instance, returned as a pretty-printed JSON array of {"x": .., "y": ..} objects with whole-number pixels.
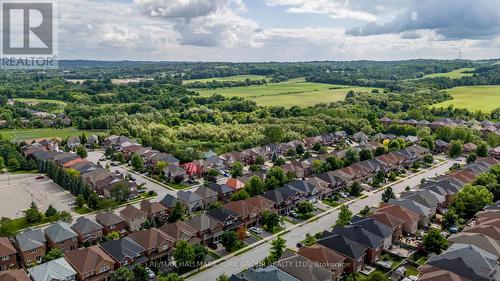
[{"x": 278, "y": 30}]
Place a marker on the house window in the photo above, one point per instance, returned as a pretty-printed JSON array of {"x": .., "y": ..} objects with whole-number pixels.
[
  {"x": 104, "y": 268},
  {"x": 33, "y": 251},
  {"x": 5, "y": 258},
  {"x": 112, "y": 227}
]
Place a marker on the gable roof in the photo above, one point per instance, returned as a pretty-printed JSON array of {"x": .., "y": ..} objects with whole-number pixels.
[
  {"x": 374, "y": 226},
  {"x": 235, "y": 183},
  {"x": 84, "y": 225},
  {"x": 188, "y": 196},
  {"x": 241, "y": 207},
  {"x": 387, "y": 219},
  {"x": 489, "y": 230},
  {"x": 152, "y": 207},
  {"x": 14, "y": 275},
  {"x": 151, "y": 238},
  {"x": 131, "y": 212},
  {"x": 169, "y": 201},
  {"x": 6, "y": 248},
  {"x": 180, "y": 231},
  {"x": 468, "y": 261},
  {"x": 360, "y": 235},
  {"x": 220, "y": 188},
  {"x": 58, "y": 269},
  {"x": 87, "y": 259},
  {"x": 222, "y": 214},
  {"x": 31, "y": 239},
  {"x": 425, "y": 197},
  {"x": 269, "y": 273},
  {"x": 477, "y": 239},
  {"x": 411, "y": 205},
  {"x": 261, "y": 203},
  {"x": 342, "y": 245},
  {"x": 441, "y": 275},
  {"x": 399, "y": 212},
  {"x": 59, "y": 232},
  {"x": 205, "y": 192},
  {"x": 303, "y": 268},
  {"x": 108, "y": 218},
  {"x": 329, "y": 259},
  {"x": 122, "y": 249}
]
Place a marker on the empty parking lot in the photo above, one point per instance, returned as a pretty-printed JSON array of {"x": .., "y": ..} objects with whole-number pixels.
[{"x": 17, "y": 191}]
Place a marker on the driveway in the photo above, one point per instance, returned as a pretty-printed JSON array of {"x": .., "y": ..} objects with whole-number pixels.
[{"x": 252, "y": 257}]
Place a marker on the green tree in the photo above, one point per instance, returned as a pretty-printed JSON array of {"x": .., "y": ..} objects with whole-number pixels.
[
  {"x": 450, "y": 218},
  {"x": 200, "y": 255},
  {"x": 394, "y": 145},
  {"x": 273, "y": 134},
  {"x": 229, "y": 240},
  {"x": 482, "y": 150},
  {"x": 240, "y": 195},
  {"x": 434, "y": 242},
  {"x": 50, "y": 212},
  {"x": 82, "y": 152},
  {"x": 236, "y": 170},
  {"x": 377, "y": 276},
  {"x": 365, "y": 154},
  {"x": 222, "y": 277},
  {"x": 456, "y": 148},
  {"x": 355, "y": 189},
  {"x": 429, "y": 159},
  {"x": 275, "y": 178},
  {"x": 178, "y": 212},
  {"x": 305, "y": 208},
  {"x": 80, "y": 200},
  {"x": 52, "y": 255},
  {"x": 123, "y": 274},
  {"x": 119, "y": 157},
  {"x": 277, "y": 248},
  {"x": 471, "y": 158},
  {"x": 335, "y": 163},
  {"x": 380, "y": 151},
  {"x": 32, "y": 214},
  {"x": 490, "y": 181},
  {"x": 345, "y": 216},
  {"x": 299, "y": 148},
  {"x": 470, "y": 200},
  {"x": 113, "y": 236},
  {"x": 140, "y": 273},
  {"x": 259, "y": 160},
  {"x": 64, "y": 216},
  {"x": 137, "y": 162},
  {"x": 120, "y": 192},
  {"x": 184, "y": 254},
  {"x": 211, "y": 175},
  {"x": 270, "y": 220},
  {"x": 317, "y": 146},
  {"x": 351, "y": 157},
  {"x": 388, "y": 195},
  {"x": 255, "y": 186}
]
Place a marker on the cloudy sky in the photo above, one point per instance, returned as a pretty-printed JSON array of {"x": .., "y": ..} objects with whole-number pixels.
[{"x": 278, "y": 30}]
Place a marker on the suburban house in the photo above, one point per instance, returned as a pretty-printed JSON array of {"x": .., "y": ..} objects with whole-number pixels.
[
  {"x": 58, "y": 269},
  {"x": 270, "y": 273},
  {"x": 424, "y": 213},
  {"x": 426, "y": 197},
  {"x": 181, "y": 231},
  {"x": 302, "y": 268},
  {"x": 285, "y": 199},
  {"x": 73, "y": 142},
  {"x": 479, "y": 240},
  {"x": 191, "y": 200},
  {"x": 111, "y": 223},
  {"x": 376, "y": 228},
  {"x": 31, "y": 246},
  {"x": 8, "y": 255},
  {"x": 89, "y": 232},
  {"x": 208, "y": 229},
  {"x": 158, "y": 245},
  {"x": 154, "y": 211},
  {"x": 223, "y": 191},
  {"x": 409, "y": 218},
  {"x": 306, "y": 189},
  {"x": 360, "y": 137},
  {"x": 235, "y": 184},
  {"x": 91, "y": 263},
  {"x": 326, "y": 258},
  {"x": 134, "y": 218},
  {"x": 262, "y": 204},
  {"x": 440, "y": 146},
  {"x": 248, "y": 214},
  {"x": 373, "y": 243},
  {"x": 174, "y": 173},
  {"x": 169, "y": 201},
  {"x": 394, "y": 223},
  {"x": 208, "y": 196},
  {"x": 488, "y": 230},
  {"x": 229, "y": 219},
  {"x": 61, "y": 236},
  {"x": 14, "y": 275},
  {"x": 125, "y": 251},
  {"x": 353, "y": 252}
]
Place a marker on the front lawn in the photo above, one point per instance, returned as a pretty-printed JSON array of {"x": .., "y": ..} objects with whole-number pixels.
[{"x": 330, "y": 202}]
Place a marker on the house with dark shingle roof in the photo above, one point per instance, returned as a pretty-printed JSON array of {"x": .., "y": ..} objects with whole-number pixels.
[
  {"x": 373, "y": 243},
  {"x": 424, "y": 213},
  {"x": 181, "y": 231},
  {"x": 125, "y": 252},
  {"x": 31, "y": 245},
  {"x": 111, "y": 222},
  {"x": 248, "y": 214},
  {"x": 352, "y": 251},
  {"x": 191, "y": 200},
  {"x": 269, "y": 273},
  {"x": 396, "y": 224},
  {"x": 377, "y": 228},
  {"x": 208, "y": 196},
  {"x": 155, "y": 211},
  {"x": 224, "y": 192},
  {"x": 88, "y": 231},
  {"x": 208, "y": 229},
  {"x": 8, "y": 257},
  {"x": 229, "y": 219},
  {"x": 91, "y": 263},
  {"x": 285, "y": 199},
  {"x": 306, "y": 189},
  {"x": 61, "y": 236}
]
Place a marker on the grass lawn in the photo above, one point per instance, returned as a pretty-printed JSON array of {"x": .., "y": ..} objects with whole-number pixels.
[
  {"x": 82, "y": 211},
  {"x": 37, "y": 101},
  {"x": 411, "y": 271},
  {"x": 229, "y": 78},
  {"x": 15, "y": 225},
  {"x": 289, "y": 93},
  {"x": 455, "y": 74},
  {"x": 24, "y": 134},
  {"x": 330, "y": 202},
  {"x": 484, "y": 98}
]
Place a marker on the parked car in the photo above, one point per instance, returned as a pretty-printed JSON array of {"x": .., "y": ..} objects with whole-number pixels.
[
  {"x": 151, "y": 274},
  {"x": 256, "y": 229},
  {"x": 294, "y": 214},
  {"x": 72, "y": 203}
]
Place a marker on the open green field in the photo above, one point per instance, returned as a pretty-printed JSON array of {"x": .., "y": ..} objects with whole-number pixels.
[
  {"x": 229, "y": 78},
  {"x": 484, "y": 98},
  {"x": 289, "y": 93},
  {"x": 24, "y": 134},
  {"x": 455, "y": 74}
]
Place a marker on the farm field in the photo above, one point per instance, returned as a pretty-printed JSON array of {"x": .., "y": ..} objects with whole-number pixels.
[
  {"x": 455, "y": 74},
  {"x": 484, "y": 98},
  {"x": 24, "y": 134},
  {"x": 289, "y": 93},
  {"x": 229, "y": 78}
]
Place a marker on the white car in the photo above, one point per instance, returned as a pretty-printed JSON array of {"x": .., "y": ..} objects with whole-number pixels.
[
  {"x": 256, "y": 229},
  {"x": 151, "y": 274}
]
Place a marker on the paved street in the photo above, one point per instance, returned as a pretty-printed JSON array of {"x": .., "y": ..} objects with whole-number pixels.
[{"x": 236, "y": 264}]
